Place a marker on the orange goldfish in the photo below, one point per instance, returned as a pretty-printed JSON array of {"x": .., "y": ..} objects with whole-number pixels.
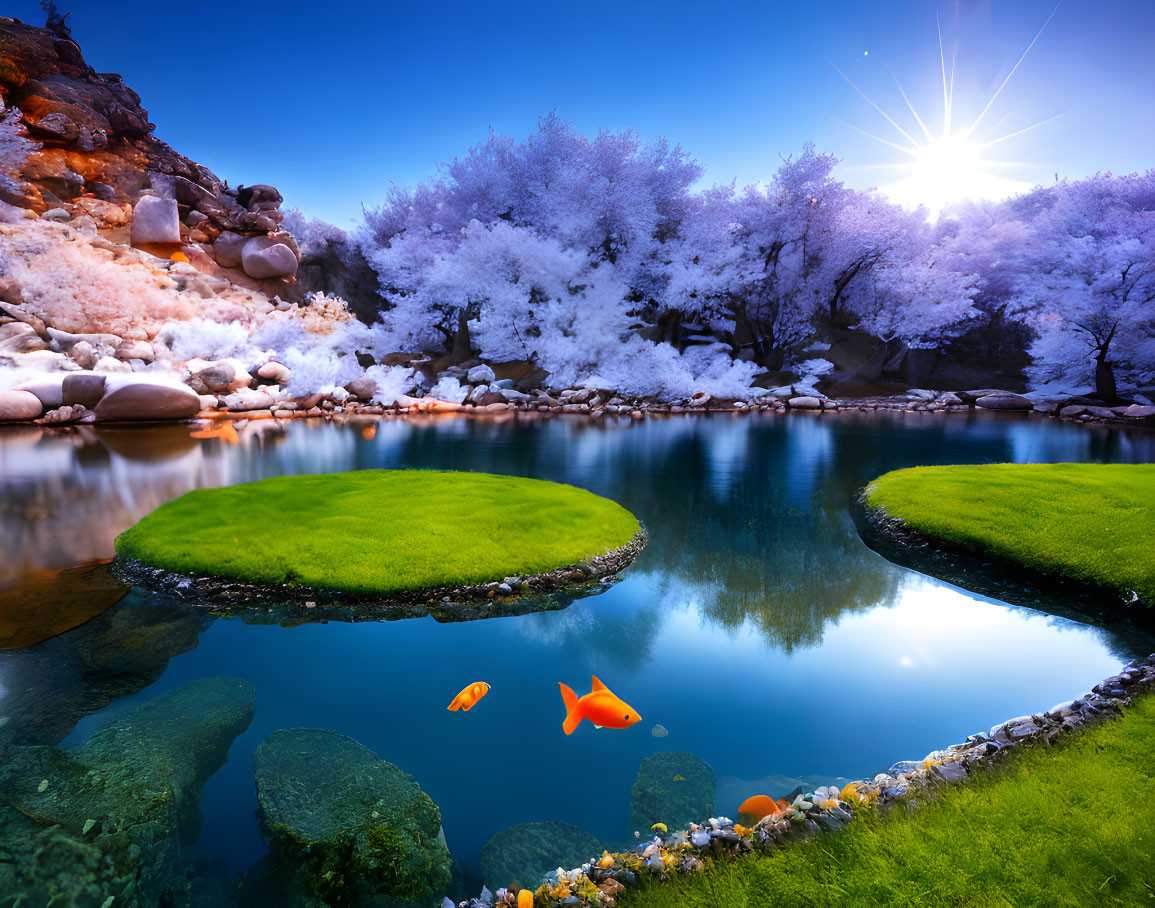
[
  {"x": 600, "y": 706},
  {"x": 762, "y": 806},
  {"x": 469, "y": 696},
  {"x": 525, "y": 899}
]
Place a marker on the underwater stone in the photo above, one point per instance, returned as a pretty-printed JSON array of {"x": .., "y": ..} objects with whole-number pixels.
[
  {"x": 345, "y": 826},
  {"x": 141, "y": 775},
  {"x": 672, "y": 788},
  {"x": 525, "y": 853}
]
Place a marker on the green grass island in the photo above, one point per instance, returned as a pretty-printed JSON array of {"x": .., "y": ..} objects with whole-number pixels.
[
  {"x": 1091, "y": 523},
  {"x": 408, "y": 535}
]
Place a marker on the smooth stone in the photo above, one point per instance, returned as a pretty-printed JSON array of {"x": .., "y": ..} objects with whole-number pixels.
[
  {"x": 1137, "y": 411},
  {"x": 83, "y": 354},
  {"x": 155, "y": 220},
  {"x": 275, "y": 372},
  {"x": 141, "y": 401},
  {"x": 1004, "y": 402},
  {"x": 140, "y": 349},
  {"x": 363, "y": 388},
  {"x": 480, "y": 375},
  {"x": 47, "y": 389},
  {"x": 19, "y": 406},
  {"x": 804, "y": 403},
  {"x": 248, "y": 399},
  {"x": 56, "y": 214},
  {"x": 84, "y": 388},
  {"x": 902, "y": 767},
  {"x": 502, "y": 384},
  {"x": 262, "y": 258},
  {"x": 227, "y": 249}
]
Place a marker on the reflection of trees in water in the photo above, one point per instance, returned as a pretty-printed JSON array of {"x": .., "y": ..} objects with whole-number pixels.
[
  {"x": 621, "y": 641},
  {"x": 749, "y": 511},
  {"x": 752, "y": 515}
]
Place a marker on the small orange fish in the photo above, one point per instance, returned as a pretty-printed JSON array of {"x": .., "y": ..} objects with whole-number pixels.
[
  {"x": 467, "y": 699},
  {"x": 369, "y": 433},
  {"x": 600, "y": 706},
  {"x": 762, "y": 806},
  {"x": 224, "y": 431},
  {"x": 525, "y": 899},
  {"x": 179, "y": 256}
]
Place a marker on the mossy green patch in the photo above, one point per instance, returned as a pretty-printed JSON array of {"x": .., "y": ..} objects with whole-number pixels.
[
  {"x": 1068, "y": 825},
  {"x": 1091, "y": 522},
  {"x": 377, "y": 532}
]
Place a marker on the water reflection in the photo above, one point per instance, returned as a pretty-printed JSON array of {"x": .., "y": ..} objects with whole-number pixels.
[{"x": 756, "y": 627}]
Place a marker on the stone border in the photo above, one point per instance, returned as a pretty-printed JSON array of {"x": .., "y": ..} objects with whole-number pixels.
[
  {"x": 827, "y": 810},
  {"x": 225, "y": 596},
  {"x": 998, "y": 577}
]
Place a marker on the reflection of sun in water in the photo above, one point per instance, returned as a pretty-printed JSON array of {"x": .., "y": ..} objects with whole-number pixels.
[{"x": 951, "y": 166}]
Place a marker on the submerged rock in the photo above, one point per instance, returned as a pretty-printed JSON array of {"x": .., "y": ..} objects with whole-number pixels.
[
  {"x": 672, "y": 788},
  {"x": 111, "y": 818},
  {"x": 344, "y": 826},
  {"x": 525, "y": 853}
]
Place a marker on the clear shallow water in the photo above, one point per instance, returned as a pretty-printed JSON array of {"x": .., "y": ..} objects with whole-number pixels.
[{"x": 756, "y": 627}]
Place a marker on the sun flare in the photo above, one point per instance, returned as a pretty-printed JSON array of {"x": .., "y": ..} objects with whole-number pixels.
[
  {"x": 950, "y": 169},
  {"x": 942, "y": 170}
]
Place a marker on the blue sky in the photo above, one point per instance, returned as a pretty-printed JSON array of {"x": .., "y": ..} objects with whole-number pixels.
[{"x": 332, "y": 102}]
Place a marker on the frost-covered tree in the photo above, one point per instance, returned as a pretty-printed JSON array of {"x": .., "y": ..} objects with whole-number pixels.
[
  {"x": 805, "y": 255},
  {"x": 1088, "y": 287}
]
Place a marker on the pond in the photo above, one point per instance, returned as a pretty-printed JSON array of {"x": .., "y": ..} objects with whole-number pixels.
[{"x": 756, "y": 628}]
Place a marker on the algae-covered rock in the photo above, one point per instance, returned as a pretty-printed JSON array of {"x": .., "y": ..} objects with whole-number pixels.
[
  {"x": 525, "y": 853},
  {"x": 111, "y": 817},
  {"x": 53, "y": 684},
  {"x": 672, "y": 788},
  {"x": 346, "y": 827}
]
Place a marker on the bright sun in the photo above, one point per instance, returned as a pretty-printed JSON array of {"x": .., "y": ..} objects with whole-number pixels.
[
  {"x": 946, "y": 170},
  {"x": 942, "y": 170}
]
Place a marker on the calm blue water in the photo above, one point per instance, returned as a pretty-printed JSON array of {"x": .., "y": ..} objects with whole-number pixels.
[{"x": 756, "y": 627}]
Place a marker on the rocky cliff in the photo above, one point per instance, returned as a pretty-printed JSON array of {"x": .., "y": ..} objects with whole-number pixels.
[{"x": 96, "y": 157}]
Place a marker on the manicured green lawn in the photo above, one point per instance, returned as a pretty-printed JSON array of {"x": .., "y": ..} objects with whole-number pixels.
[
  {"x": 1092, "y": 522},
  {"x": 1069, "y": 825},
  {"x": 379, "y": 531}
]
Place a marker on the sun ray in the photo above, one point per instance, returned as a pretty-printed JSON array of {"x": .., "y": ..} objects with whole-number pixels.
[
  {"x": 910, "y": 151},
  {"x": 1014, "y": 68},
  {"x": 921, "y": 124},
  {"x": 889, "y": 119},
  {"x": 945, "y": 96},
  {"x": 1019, "y": 132}
]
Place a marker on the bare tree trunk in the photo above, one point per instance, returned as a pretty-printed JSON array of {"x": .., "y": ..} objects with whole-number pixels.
[
  {"x": 462, "y": 348},
  {"x": 1105, "y": 388}
]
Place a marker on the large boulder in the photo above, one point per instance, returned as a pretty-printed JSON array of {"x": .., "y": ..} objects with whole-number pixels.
[
  {"x": 227, "y": 249},
  {"x": 344, "y": 826},
  {"x": 48, "y": 389},
  {"x": 141, "y": 401},
  {"x": 265, "y": 257},
  {"x": 672, "y": 788},
  {"x": 523, "y": 854},
  {"x": 123, "y": 805},
  {"x": 19, "y": 406},
  {"x": 86, "y": 388},
  {"x": 155, "y": 220}
]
